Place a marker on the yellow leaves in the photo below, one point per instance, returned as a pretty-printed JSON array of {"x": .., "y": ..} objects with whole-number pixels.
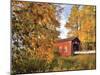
[
  {"x": 87, "y": 25},
  {"x": 85, "y": 20},
  {"x": 37, "y": 30},
  {"x": 82, "y": 36},
  {"x": 43, "y": 54}
]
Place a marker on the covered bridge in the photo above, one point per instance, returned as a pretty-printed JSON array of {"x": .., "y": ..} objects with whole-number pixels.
[{"x": 66, "y": 47}]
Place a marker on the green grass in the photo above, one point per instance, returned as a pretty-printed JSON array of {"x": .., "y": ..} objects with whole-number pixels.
[{"x": 76, "y": 62}]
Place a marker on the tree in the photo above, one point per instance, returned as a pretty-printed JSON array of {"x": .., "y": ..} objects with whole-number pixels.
[
  {"x": 33, "y": 35},
  {"x": 73, "y": 21},
  {"x": 84, "y": 18}
]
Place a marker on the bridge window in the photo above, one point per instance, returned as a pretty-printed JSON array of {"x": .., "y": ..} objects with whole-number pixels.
[
  {"x": 60, "y": 47},
  {"x": 65, "y": 49}
]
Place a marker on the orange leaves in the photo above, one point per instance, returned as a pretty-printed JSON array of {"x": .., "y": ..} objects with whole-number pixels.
[
  {"x": 36, "y": 28},
  {"x": 44, "y": 54},
  {"x": 87, "y": 25}
]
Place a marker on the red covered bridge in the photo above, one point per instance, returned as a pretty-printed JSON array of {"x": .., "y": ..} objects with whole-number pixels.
[{"x": 66, "y": 47}]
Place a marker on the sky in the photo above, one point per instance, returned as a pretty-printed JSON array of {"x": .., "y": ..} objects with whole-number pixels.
[{"x": 64, "y": 18}]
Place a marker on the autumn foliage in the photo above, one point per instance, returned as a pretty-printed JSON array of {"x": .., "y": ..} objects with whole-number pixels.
[
  {"x": 34, "y": 33},
  {"x": 82, "y": 24}
]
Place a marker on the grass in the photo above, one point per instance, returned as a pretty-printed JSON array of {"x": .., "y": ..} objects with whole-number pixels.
[
  {"x": 71, "y": 63},
  {"x": 76, "y": 62}
]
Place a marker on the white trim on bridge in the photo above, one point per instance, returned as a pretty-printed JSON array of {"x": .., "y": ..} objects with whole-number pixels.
[{"x": 85, "y": 52}]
